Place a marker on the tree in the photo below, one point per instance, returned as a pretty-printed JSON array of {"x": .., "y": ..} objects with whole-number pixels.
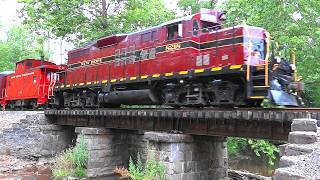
[
  {"x": 84, "y": 20},
  {"x": 19, "y": 44},
  {"x": 193, "y": 6}
]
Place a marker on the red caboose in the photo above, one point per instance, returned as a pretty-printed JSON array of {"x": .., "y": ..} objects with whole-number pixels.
[
  {"x": 3, "y": 80},
  {"x": 31, "y": 85}
]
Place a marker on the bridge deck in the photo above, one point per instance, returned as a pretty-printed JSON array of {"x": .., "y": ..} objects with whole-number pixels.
[{"x": 273, "y": 124}]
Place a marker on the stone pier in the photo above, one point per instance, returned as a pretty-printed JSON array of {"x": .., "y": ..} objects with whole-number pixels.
[{"x": 185, "y": 157}]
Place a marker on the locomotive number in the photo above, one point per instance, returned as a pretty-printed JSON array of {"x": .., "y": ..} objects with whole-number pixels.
[
  {"x": 173, "y": 47},
  {"x": 95, "y": 61}
]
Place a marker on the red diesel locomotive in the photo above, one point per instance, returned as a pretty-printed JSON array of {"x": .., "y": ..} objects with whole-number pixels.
[
  {"x": 190, "y": 61},
  {"x": 30, "y": 86}
]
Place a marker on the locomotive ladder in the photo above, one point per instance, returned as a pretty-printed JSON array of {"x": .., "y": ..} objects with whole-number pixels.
[{"x": 257, "y": 76}]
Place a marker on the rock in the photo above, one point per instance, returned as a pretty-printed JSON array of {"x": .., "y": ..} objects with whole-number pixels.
[
  {"x": 309, "y": 125},
  {"x": 286, "y": 161},
  {"x": 302, "y": 137},
  {"x": 294, "y": 150},
  {"x": 282, "y": 174}
]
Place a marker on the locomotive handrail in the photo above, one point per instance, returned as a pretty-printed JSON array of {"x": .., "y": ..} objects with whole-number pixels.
[{"x": 266, "y": 62}]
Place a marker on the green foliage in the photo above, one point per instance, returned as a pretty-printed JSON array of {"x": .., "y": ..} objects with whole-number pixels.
[
  {"x": 311, "y": 94},
  {"x": 84, "y": 20},
  {"x": 236, "y": 145},
  {"x": 19, "y": 44},
  {"x": 153, "y": 169},
  {"x": 72, "y": 162},
  {"x": 261, "y": 148},
  {"x": 193, "y": 6}
]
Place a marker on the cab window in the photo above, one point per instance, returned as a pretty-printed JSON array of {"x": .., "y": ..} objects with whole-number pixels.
[
  {"x": 173, "y": 31},
  {"x": 209, "y": 26},
  {"x": 195, "y": 28}
]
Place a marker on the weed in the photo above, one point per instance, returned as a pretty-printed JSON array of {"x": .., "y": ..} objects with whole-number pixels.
[{"x": 72, "y": 162}]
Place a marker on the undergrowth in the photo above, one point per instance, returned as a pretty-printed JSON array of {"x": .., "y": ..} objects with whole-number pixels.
[
  {"x": 261, "y": 148},
  {"x": 72, "y": 162},
  {"x": 153, "y": 169}
]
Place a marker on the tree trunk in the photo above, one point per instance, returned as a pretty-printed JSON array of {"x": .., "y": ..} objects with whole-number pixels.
[{"x": 104, "y": 13}]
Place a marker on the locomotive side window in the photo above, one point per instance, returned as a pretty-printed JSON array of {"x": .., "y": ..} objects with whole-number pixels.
[
  {"x": 152, "y": 53},
  {"x": 132, "y": 54},
  {"x": 154, "y": 35},
  {"x": 117, "y": 57},
  {"x": 195, "y": 28},
  {"x": 144, "y": 54},
  {"x": 123, "y": 54},
  {"x": 173, "y": 31},
  {"x": 146, "y": 37}
]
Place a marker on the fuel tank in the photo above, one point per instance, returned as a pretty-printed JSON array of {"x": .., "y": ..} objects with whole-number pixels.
[{"x": 130, "y": 97}]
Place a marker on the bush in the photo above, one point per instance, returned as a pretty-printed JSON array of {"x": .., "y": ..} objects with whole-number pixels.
[
  {"x": 72, "y": 162},
  {"x": 261, "y": 148}
]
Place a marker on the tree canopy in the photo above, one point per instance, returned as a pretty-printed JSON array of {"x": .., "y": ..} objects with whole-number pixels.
[
  {"x": 19, "y": 44},
  {"x": 84, "y": 20}
]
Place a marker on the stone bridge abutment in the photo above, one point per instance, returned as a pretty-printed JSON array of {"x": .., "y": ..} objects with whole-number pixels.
[{"x": 185, "y": 156}]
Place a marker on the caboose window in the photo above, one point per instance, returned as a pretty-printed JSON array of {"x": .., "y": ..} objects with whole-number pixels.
[
  {"x": 29, "y": 64},
  {"x": 173, "y": 31}
]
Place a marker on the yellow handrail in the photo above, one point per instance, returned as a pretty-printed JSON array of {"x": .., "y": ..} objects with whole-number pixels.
[
  {"x": 249, "y": 57},
  {"x": 266, "y": 63},
  {"x": 293, "y": 57}
]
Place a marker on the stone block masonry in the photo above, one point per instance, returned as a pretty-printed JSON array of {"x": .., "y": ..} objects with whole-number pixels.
[
  {"x": 185, "y": 157},
  {"x": 31, "y": 136},
  {"x": 190, "y": 157}
]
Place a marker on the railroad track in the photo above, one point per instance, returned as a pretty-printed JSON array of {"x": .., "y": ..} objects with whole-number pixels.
[{"x": 269, "y": 123}]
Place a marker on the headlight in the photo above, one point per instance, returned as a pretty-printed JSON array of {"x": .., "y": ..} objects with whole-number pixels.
[
  {"x": 293, "y": 67},
  {"x": 278, "y": 59}
]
